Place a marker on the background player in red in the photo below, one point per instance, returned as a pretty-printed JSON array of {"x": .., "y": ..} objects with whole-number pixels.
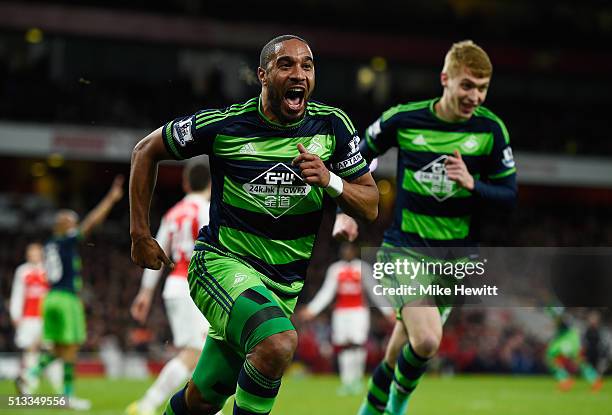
[
  {"x": 176, "y": 235},
  {"x": 351, "y": 316},
  {"x": 27, "y": 294}
]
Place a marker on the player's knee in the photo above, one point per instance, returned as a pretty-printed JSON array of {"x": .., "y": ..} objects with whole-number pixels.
[
  {"x": 189, "y": 356},
  {"x": 426, "y": 345},
  {"x": 273, "y": 354},
  {"x": 279, "y": 348},
  {"x": 196, "y": 404}
]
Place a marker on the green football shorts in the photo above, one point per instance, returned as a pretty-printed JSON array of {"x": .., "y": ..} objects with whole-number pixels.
[
  {"x": 565, "y": 343},
  {"x": 408, "y": 284},
  {"x": 240, "y": 308},
  {"x": 63, "y": 318}
]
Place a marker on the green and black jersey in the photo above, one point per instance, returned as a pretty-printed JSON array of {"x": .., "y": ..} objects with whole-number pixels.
[
  {"x": 63, "y": 262},
  {"x": 261, "y": 209},
  {"x": 431, "y": 210}
]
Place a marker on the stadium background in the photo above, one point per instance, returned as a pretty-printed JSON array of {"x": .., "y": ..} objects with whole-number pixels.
[{"x": 81, "y": 84}]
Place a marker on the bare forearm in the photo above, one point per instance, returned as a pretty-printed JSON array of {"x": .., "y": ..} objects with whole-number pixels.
[
  {"x": 101, "y": 211},
  {"x": 143, "y": 174},
  {"x": 97, "y": 215},
  {"x": 360, "y": 199}
]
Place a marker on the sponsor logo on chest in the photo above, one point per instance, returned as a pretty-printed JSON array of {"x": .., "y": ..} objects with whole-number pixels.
[
  {"x": 277, "y": 190},
  {"x": 434, "y": 179}
]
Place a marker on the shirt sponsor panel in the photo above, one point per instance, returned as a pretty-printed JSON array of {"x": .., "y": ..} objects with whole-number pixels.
[{"x": 278, "y": 187}]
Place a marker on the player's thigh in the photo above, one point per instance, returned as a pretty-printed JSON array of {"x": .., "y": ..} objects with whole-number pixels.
[
  {"x": 405, "y": 286},
  {"x": 66, "y": 352},
  {"x": 188, "y": 325},
  {"x": 256, "y": 315},
  {"x": 340, "y": 333},
  {"x": 423, "y": 324},
  {"x": 75, "y": 329},
  {"x": 554, "y": 348},
  {"x": 215, "y": 282},
  {"x": 350, "y": 327},
  {"x": 573, "y": 344},
  {"x": 233, "y": 298},
  {"x": 565, "y": 344},
  {"x": 28, "y": 333},
  {"x": 54, "y": 317}
]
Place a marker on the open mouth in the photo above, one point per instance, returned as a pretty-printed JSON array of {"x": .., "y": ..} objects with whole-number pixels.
[
  {"x": 467, "y": 108},
  {"x": 294, "y": 98}
]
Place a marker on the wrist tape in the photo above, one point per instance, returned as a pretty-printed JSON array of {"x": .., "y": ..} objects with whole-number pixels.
[{"x": 335, "y": 186}]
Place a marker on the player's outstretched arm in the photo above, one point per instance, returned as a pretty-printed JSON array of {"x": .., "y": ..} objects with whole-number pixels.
[
  {"x": 101, "y": 211},
  {"x": 17, "y": 297},
  {"x": 142, "y": 305},
  {"x": 325, "y": 295},
  {"x": 148, "y": 152},
  {"x": 357, "y": 198}
]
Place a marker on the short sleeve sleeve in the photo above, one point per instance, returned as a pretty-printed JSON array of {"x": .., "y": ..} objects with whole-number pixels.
[
  {"x": 191, "y": 136},
  {"x": 382, "y": 134}
]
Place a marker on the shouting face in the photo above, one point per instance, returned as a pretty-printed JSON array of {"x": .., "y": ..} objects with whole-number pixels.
[{"x": 287, "y": 81}]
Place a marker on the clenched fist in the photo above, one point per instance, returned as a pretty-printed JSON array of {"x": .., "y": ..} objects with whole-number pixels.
[
  {"x": 313, "y": 170},
  {"x": 147, "y": 253}
]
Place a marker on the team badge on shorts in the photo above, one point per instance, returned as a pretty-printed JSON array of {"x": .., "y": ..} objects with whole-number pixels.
[{"x": 239, "y": 278}]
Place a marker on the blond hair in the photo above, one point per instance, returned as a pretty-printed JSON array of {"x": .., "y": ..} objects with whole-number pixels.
[{"x": 473, "y": 57}]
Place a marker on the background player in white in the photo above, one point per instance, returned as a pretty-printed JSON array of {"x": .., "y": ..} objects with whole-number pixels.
[
  {"x": 27, "y": 294},
  {"x": 351, "y": 316},
  {"x": 177, "y": 233}
]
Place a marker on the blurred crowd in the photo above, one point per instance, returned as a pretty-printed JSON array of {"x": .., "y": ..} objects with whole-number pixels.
[
  {"x": 548, "y": 85},
  {"x": 493, "y": 339},
  {"x": 476, "y": 340},
  {"x": 112, "y": 100}
]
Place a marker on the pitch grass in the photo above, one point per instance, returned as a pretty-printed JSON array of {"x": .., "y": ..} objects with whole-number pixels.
[{"x": 316, "y": 395}]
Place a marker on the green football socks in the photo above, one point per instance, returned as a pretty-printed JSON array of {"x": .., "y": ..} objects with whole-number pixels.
[
  {"x": 256, "y": 392},
  {"x": 409, "y": 370},
  {"x": 44, "y": 360},
  {"x": 378, "y": 391}
]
